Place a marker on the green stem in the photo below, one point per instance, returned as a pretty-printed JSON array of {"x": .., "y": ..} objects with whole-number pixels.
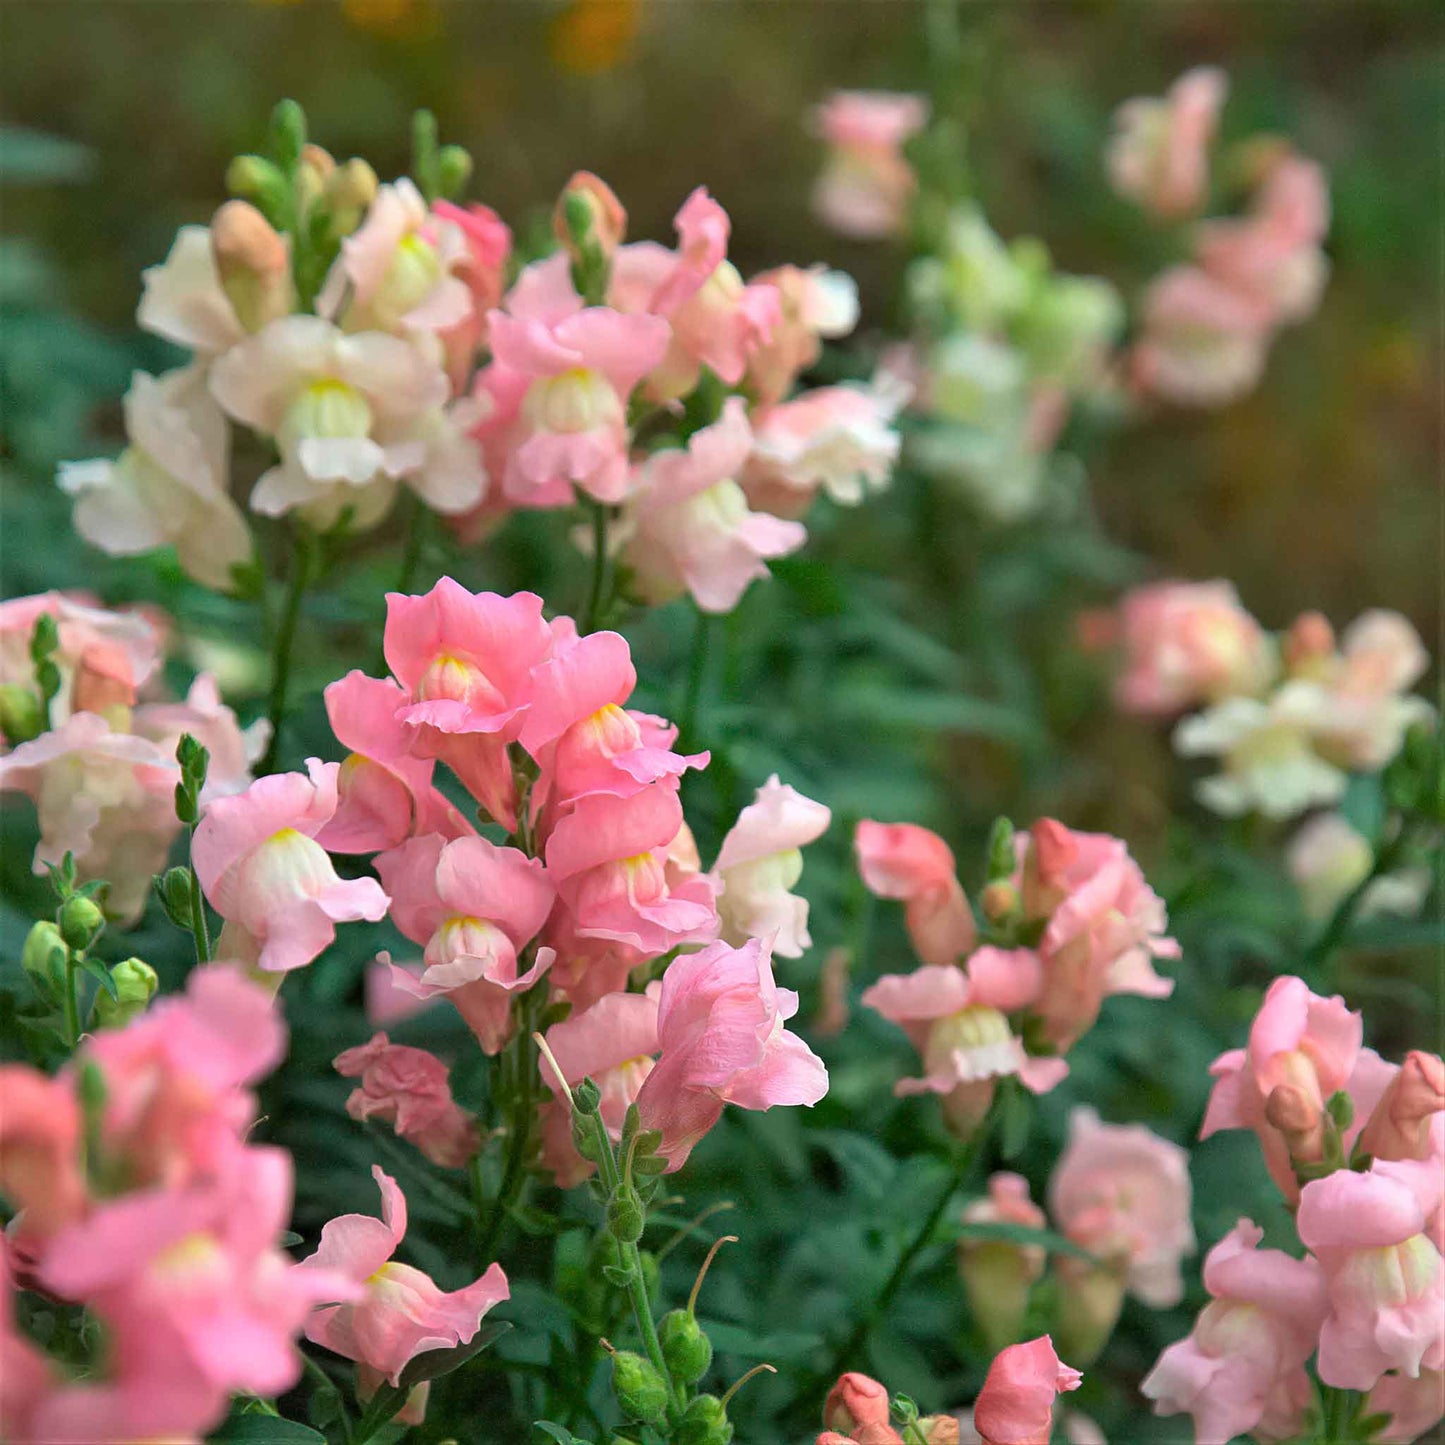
[
  {"x": 416, "y": 524},
  {"x": 514, "y": 1174},
  {"x": 968, "y": 1156},
  {"x": 72, "y": 1004},
  {"x": 696, "y": 675},
  {"x": 301, "y": 566},
  {"x": 200, "y": 928},
  {"x": 1388, "y": 856},
  {"x": 597, "y": 594}
]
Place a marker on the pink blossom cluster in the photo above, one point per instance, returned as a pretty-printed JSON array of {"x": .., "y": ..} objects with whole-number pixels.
[
  {"x": 102, "y": 768},
  {"x": 1075, "y": 922},
  {"x": 599, "y": 879},
  {"x": 1357, "y": 1147},
  {"x": 417, "y": 367},
  {"x": 1207, "y": 323},
  {"x": 1288, "y": 716},
  {"x": 137, "y": 1193}
]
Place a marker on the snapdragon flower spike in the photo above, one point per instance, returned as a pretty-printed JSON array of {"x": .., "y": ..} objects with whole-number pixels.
[
  {"x": 905, "y": 862},
  {"x": 1105, "y": 925},
  {"x": 720, "y": 1025},
  {"x": 612, "y": 1043},
  {"x": 958, "y": 1021},
  {"x": 1016, "y": 1404},
  {"x": 384, "y": 792},
  {"x": 1123, "y": 1193},
  {"x": 609, "y": 858},
  {"x": 474, "y": 907},
  {"x": 759, "y": 863},
  {"x": 557, "y": 389},
  {"x": 578, "y": 731},
  {"x": 409, "y": 1089},
  {"x": 393, "y": 1312},
  {"x": 688, "y": 527},
  {"x": 867, "y": 182},
  {"x": 1384, "y": 1273},
  {"x": 1246, "y": 1354},
  {"x": 464, "y": 661},
  {"x": 198, "y": 1270},
  {"x": 1159, "y": 155},
  {"x": 259, "y": 864}
]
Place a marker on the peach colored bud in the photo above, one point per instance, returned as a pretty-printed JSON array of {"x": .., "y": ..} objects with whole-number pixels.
[
  {"x": 606, "y": 213},
  {"x": 1309, "y": 642},
  {"x": 350, "y": 189},
  {"x": 1300, "y": 1119},
  {"x": 1399, "y": 1127},
  {"x": 253, "y": 263},
  {"x": 1000, "y": 900},
  {"x": 939, "y": 1429},
  {"x": 318, "y": 159},
  {"x": 855, "y": 1400}
]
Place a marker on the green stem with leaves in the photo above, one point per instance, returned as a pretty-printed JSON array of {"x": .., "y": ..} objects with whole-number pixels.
[
  {"x": 523, "y": 1107},
  {"x": 302, "y": 565},
  {"x": 200, "y": 927}
]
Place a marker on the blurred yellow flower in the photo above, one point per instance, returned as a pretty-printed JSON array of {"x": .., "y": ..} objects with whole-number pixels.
[{"x": 591, "y": 36}]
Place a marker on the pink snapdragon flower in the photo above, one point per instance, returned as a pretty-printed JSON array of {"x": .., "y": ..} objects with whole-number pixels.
[
  {"x": 720, "y": 1025},
  {"x": 170, "y": 485},
  {"x": 1123, "y": 1193},
  {"x": 715, "y": 319},
  {"x": 1016, "y": 1404},
  {"x": 856, "y": 1401},
  {"x": 1414, "y": 1405},
  {"x": 905, "y": 862},
  {"x": 841, "y": 440},
  {"x": 815, "y": 304},
  {"x": 40, "y": 1153},
  {"x": 578, "y": 731},
  {"x": 588, "y": 969},
  {"x": 866, "y": 183},
  {"x": 465, "y": 661},
  {"x": 1159, "y": 154},
  {"x": 1187, "y": 643},
  {"x": 558, "y": 388},
  {"x": 610, "y": 860},
  {"x": 1301, "y": 1044},
  {"x": 397, "y": 1311},
  {"x": 106, "y": 797},
  {"x": 481, "y": 265},
  {"x": 384, "y": 793},
  {"x": 1249, "y": 1344},
  {"x": 1202, "y": 344},
  {"x": 408, "y": 1088},
  {"x": 957, "y": 1019},
  {"x": 474, "y": 907},
  {"x": 200, "y": 1270},
  {"x": 998, "y": 1274},
  {"x": 184, "y": 301},
  {"x": 259, "y": 863},
  {"x": 1401, "y": 1125},
  {"x": 613, "y": 1044},
  {"x": 1105, "y": 925},
  {"x": 688, "y": 526},
  {"x": 1385, "y": 1276},
  {"x": 759, "y": 864},
  {"x": 27, "y": 1377}
]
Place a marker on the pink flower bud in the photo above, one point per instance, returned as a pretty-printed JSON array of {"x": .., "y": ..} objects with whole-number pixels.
[
  {"x": 855, "y": 1400},
  {"x": 1299, "y": 1119},
  {"x": 1399, "y": 1127},
  {"x": 253, "y": 262},
  {"x": 607, "y": 217},
  {"x": 1309, "y": 642}
]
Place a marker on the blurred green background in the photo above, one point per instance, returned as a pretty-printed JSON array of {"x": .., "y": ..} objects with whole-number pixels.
[{"x": 913, "y": 662}]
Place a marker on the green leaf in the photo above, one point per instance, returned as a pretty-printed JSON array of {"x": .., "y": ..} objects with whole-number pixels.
[
  {"x": 558, "y": 1434},
  {"x": 433, "y": 1364},
  {"x": 1022, "y": 1234},
  {"x": 265, "y": 1429}
]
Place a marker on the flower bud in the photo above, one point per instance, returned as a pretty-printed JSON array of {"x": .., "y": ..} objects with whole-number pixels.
[
  {"x": 685, "y": 1347},
  {"x": 939, "y": 1429},
  {"x": 21, "y": 715},
  {"x": 350, "y": 189},
  {"x": 1399, "y": 1127},
  {"x": 1000, "y": 901},
  {"x": 1309, "y": 644},
  {"x": 135, "y": 985},
  {"x": 318, "y": 159},
  {"x": 855, "y": 1400},
  {"x": 173, "y": 888},
  {"x": 639, "y": 1389},
  {"x": 1090, "y": 1298},
  {"x": 257, "y": 179},
  {"x": 1001, "y": 849},
  {"x": 1299, "y": 1118},
  {"x": 997, "y": 1279},
  {"x": 625, "y": 1217},
  {"x": 454, "y": 169},
  {"x": 254, "y": 264},
  {"x": 80, "y": 921},
  {"x": 705, "y": 1422},
  {"x": 588, "y": 211},
  {"x": 43, "y": 956},
  {"x": 586, "y": 1097}
]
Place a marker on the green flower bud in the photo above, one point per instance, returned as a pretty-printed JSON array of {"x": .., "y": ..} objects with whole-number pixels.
[
  {"x": 22, "y": 716},
  {"x": 705, "y": 1422},
  {"x": 685, "y": 1347},
  {"x": 173, "y": 888},
  {"x": 1001, "y": 859},
  {"x": 254, "y": 178},
  {"x": 288, "y": 134},
  {"x": 80, "y": 921},
  {"x": 43, "y": 956},
  {"x": 625, "y": 1217},
  {"x": 135, "y": 985},
  {"x": 586, "y": 1097},
  {"x": 639, "y": 1389},
  {"x": 454, "y": 170}
]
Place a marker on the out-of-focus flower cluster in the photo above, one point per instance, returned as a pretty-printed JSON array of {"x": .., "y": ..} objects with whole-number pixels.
[
  {"x": 1357, "y": 1147},
  {"x": 1069, "y": 921},
  {"x": 1289, "y": 717},
  {"x": 366, "y": 338}
]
